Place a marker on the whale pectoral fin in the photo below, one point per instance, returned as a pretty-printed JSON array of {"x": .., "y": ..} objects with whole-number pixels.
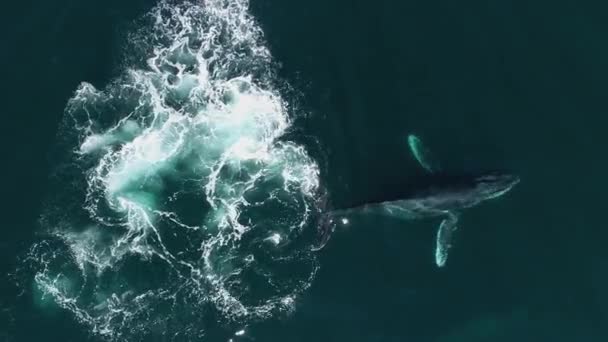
[
  {"x": 444, "y": 239},
  {"x": 422, "y": 154}
]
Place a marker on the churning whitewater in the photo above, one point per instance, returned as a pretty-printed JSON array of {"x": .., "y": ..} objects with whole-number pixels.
[{"x": 177, "y": 210}]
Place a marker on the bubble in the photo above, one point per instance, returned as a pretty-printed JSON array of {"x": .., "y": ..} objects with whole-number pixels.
[{"x": 178, "y": 208}]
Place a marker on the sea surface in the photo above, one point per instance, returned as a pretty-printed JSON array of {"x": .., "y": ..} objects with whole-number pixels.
[{"x": 166, "y": 162}]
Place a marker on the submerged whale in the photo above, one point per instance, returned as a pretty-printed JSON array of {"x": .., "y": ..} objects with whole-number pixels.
[{"x": 445, "y": 196}]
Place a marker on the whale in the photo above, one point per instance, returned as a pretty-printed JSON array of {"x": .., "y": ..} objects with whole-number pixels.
[{"x": 443, "y": 195}]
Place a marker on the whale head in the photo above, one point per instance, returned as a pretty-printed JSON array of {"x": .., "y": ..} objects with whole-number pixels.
[{"x": 495, "y": 183}]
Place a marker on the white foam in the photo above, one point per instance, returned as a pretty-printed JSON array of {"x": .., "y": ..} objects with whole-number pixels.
[
  {"x": 274, "y": 238},
  {"x": 203, "y": 116}
]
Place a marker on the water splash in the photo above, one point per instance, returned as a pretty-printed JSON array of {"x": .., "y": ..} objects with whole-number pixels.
[{"x": 178, "y": 208}]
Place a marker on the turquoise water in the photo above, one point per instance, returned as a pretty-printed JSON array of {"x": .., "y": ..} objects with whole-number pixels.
[{"x": 173, "y": 198}]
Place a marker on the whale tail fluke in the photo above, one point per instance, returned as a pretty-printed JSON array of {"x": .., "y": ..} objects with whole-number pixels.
[
  {"x": 325, "y": 228},
  {"x": 325, "y": 221}
]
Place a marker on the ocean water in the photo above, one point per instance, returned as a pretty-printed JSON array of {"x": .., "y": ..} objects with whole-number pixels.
[{"x": 167, "y": 162}]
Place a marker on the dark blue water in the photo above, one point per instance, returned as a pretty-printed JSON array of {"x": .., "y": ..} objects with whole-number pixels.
[{"x": 510, "y": 84}]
